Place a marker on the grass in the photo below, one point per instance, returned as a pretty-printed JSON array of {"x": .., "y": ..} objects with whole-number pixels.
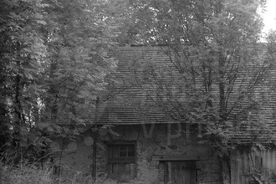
[
  {"x": 32, "y": 174},
  {"x": 25, "y": 174}
]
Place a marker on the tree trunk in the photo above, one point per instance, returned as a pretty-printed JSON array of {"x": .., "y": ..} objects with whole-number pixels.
[
  {"x": 222, "y": 103},
  {"x": 20, "y": 119}
]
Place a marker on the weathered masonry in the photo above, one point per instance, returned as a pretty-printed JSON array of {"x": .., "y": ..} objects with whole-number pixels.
[
  {"x": 157, "y": 153},
  {"x": 147, "y": 154}
]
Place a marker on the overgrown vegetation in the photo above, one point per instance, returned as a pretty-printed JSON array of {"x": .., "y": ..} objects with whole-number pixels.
[
  {"x": 31, "y": 173},
  {"x": 25, "y": 174},
  {"x": 54, "y": 57},
  {"x": 56, "y": 54},
  {"x": 218, "y": 73}
]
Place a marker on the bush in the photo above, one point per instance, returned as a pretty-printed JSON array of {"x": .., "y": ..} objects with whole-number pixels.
[
  {"x": 25, "y": 174},
  {"x": 33, "y": 174}
]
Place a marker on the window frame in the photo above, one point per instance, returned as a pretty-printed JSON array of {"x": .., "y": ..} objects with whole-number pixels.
[
  {"x": 167, "y": 170},
  {"x": 121, "y": 160}
]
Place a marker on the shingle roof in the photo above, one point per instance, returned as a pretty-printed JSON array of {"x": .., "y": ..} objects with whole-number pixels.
[{"x": 128, "y": 106}]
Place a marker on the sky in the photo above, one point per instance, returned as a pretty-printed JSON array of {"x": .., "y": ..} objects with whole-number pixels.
[{"x": 269, "y": 16}]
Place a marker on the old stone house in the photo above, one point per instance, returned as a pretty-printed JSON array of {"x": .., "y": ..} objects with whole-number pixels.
[{"x": 131, "y": 142}]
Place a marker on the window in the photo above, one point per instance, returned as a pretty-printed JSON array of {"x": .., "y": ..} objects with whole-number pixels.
[
  {"x": 121, "y": 161},
  {"x": 179, "y": 172}
]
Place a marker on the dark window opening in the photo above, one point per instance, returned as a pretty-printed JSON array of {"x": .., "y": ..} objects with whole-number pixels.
[
  {"x": 121, "y": 161},
  {"x": 180, "y": 172}
]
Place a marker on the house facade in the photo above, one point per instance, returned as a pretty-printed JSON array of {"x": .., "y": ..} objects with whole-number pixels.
[
  {"x": 146, "y": 153},
  {"x": 134, "y": 141}
]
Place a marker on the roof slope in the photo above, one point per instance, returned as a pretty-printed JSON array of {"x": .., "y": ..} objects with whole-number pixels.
[
  {"x": 134, "y": 101},
  {"x": 130, "y": 104}
]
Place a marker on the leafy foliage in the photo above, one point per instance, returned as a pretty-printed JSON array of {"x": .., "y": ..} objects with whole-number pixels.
[
  {"x": 216, "y": 60},
  {"x": 56, "y": 54},
  {"x": 217, "y": 64},
  {"x": 54, "y": 59}
]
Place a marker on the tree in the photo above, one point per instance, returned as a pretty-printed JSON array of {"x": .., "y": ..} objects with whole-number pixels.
[
  {"x": 55, "y": 56},
  {"x": 21, "y": 48},
  {"x": 216, "y": 62}
]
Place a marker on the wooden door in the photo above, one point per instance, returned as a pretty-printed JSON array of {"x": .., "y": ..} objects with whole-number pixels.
[{"x": 183, "y": 172}]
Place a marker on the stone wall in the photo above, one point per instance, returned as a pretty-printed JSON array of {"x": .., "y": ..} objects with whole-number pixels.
[{"x": 151, "y": 152}]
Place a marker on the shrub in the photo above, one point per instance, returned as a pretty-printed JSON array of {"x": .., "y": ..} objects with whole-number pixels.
[{"x": 25, "y": 174}]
